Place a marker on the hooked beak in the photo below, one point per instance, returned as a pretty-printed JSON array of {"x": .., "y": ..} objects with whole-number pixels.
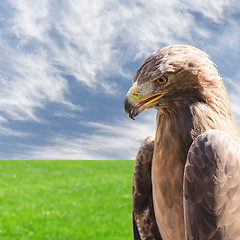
[{"x": 134, "y": 104}]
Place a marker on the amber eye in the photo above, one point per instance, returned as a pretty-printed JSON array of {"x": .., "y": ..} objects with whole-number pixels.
[{"x": 162, "y": 80}]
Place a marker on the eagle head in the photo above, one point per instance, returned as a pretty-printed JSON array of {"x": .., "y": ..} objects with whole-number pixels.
[{"x": 171, "y": 74}]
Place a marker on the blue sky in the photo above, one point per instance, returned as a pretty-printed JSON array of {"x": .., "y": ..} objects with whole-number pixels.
[{"x": 65, "y": 66}]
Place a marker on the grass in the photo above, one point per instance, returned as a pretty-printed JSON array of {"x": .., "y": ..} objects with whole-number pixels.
[{"x": 65, "y": 200}]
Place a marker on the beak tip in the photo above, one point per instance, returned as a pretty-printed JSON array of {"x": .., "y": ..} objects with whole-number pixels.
[
  {"x": 130, "y": 106},
  {"x": 131, "y": 116},
  {"x": 127, "y": 108}
]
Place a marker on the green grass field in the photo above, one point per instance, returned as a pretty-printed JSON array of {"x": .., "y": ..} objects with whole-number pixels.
[{"x": 65, "y": 200}]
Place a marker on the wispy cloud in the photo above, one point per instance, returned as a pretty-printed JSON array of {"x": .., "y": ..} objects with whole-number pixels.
[
  {"x": 120, "y": 140},
  {"x": 8, "y": 132},
  {"x": 28, "y": 83}
]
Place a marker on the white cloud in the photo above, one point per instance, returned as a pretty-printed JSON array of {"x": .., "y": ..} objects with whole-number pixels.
[
  {"x": 217, "y": 11},
  {"x": 27, "y": 83},
  {"x": 7, "y": 132},
  {"x": 120, "y": 140}
]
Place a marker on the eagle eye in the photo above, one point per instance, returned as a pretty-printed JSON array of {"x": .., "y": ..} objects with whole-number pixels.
[{"x": 162, "y": 80}]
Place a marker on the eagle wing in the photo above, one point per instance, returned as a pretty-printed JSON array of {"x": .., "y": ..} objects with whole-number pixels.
[
  {"x": 212, "y": 187},
  {"x": 144, "y": 222}
]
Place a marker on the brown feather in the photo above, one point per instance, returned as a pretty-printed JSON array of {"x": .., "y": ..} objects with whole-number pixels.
[
  {"x": 208, "y": 196},
  {"x": 144, "y": 222},
  {"x": 194, "y": 102}
]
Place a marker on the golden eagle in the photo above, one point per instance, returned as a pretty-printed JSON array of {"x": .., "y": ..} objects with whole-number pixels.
[{"x": 186, "y": 178}]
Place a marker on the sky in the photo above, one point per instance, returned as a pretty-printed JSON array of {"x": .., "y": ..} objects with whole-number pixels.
[{"x": 66, "y": 65}]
